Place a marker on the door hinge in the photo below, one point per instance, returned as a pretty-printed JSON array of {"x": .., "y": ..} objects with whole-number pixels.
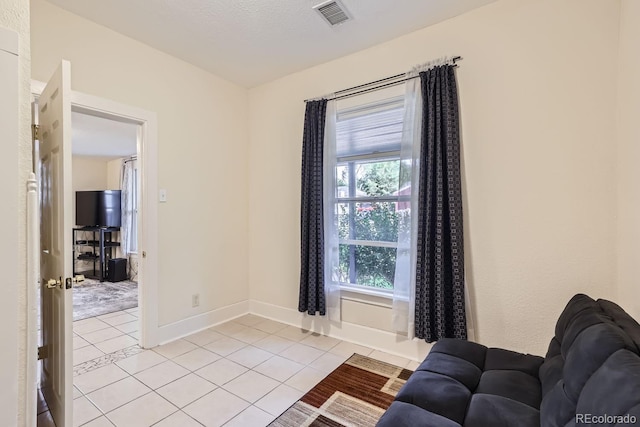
[
  {"x": 43, "y": 352},
  {"x": 35, "y": 132}
]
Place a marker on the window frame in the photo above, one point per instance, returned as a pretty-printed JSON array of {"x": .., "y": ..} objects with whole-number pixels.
[{"x": 367, "y": 157}]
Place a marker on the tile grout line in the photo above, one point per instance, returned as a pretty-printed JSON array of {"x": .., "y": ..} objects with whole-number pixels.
[{"x": 223, "y": 335}]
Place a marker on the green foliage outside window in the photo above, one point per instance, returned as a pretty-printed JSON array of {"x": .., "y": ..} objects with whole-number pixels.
[{"x": 374, "y": 221}]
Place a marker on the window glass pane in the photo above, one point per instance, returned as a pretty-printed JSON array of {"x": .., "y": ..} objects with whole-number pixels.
[
  {"x": 368, "y": 178},
  {"x": 367, "y": 265},
  {"x": 377, "y": 221}
]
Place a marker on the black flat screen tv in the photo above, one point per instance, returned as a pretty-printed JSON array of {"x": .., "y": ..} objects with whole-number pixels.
[{"x": 98, "y": 208}]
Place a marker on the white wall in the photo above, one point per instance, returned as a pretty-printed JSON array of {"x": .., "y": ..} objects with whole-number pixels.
[
  {"x": 629, "y": 158},
  {"x": 89, "y": 173},
  {"x": 15, "y": 165},
  {"x": 203, "y": 141},
  {"x": 114, "y": 173},
  {"x": 538, "y": 102}
]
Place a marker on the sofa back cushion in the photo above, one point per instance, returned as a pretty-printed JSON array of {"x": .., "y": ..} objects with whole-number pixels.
[{"x": 588, "y": 335}]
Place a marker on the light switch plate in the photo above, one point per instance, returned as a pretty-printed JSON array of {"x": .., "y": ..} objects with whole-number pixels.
[{"x": 162, "y": 196}]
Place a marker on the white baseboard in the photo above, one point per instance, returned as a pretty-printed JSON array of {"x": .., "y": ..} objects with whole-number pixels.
[
  {"x": 191, "y": 325},
  {"x": 388, "y": 342}
]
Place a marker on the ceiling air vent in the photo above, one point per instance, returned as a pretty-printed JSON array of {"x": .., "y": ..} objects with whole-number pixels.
[{"x": 333, "y": 12}]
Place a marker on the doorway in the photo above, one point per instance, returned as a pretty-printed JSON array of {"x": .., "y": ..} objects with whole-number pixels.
[
  {"x": 145, "y": 125},
  {"x": 105, "y": 198}
]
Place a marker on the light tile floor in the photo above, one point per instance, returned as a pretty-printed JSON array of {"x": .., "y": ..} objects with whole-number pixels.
[{"x": 244, "y": 372}]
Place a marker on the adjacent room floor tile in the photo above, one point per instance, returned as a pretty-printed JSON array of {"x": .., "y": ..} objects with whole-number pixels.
[
  {"x": 141, "y": 361},
  {"x": 293, "y": 333},
  {"x": 229, "y": 328},
  {"x": 250, "y": 356},
  {"x": 84, "y": 411},
  {"x": 205, "y": 337},
  {"x": 179, "y": 419},
  {"x": 98, "y": 422},
  {"x": 327, "y": 362},
  {"x": 321, "y": 342},
  {"x": 175, "y": 348},
  {"x": 88, "y": 325},
  {"x": 251, "y": 386},
  {"x": 216, "y": 408},
  {"x": 273, "y": 344},
  {"x": 161, "y": 374},
  {"x": 98, "y": 378},
  {"x": 221, "y": 371},
  {"x": 279, "y": 399},
  {"x": 270, "y": 326},
  {"x": 279, "y": 368},
  {"x": 196, "y": 359},
  {"x": 117, "y": 394},
  {"x": 305, "y": 379},
  {"x": 142, "y": 412},
  {"x": 301, "y": 353},
  {"x": 185, "y": 390},
  {"x": 102, "y": 335},
  {"x": 347, "y": 349},
  {"x": 249, "y": 335},
  {"x": 115, "y": 344},
  {"x": 249, "y": 319},
  {"x": 225, "y": 346},
  {"x": 251, "y": 416},
  {"x": 129, "y": 327},
  {"x": 120, "y": 319},
  {"x": 79, "y": 342},
  {"x": 85, "y": 354}
]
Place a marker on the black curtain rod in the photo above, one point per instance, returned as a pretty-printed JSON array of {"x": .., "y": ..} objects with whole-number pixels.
[
  {"x": 379, "y": 85},
  {"x": 131, "y": 159}
]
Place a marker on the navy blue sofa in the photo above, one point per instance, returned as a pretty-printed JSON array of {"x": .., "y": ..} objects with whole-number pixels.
[{"x": 590, "y": 376}]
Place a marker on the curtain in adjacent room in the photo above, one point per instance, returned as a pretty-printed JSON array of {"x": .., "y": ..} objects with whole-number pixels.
[
  {"x": 439, "y": 294},
  {"x": 127, "y": 208},
  {"x": 312, "y": 292}
]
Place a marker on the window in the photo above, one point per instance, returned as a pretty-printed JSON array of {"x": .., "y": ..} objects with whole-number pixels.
[{"x": 370, "y": 197}]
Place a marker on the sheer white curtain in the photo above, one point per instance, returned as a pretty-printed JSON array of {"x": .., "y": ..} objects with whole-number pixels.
[
  {"x": 331, "y": 248},
  {"x": 128, "y": 243},
  {"x": 404, "y": 282}
]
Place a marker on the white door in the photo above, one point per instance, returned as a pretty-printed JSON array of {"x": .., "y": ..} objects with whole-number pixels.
[{"x": 54, "y": 111}]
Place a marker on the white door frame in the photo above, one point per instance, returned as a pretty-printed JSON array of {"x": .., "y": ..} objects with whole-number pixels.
[{"x": 148, "y": 214}]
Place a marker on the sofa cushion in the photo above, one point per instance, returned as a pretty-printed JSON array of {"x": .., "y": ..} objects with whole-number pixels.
[
  {"x": 436, "y": 393},
  {"x": 514, "y": 385},
  {"x": 452, "y": 366},
  {"x": 402, "y": 414},
  {"x": 487, "y": 410}
]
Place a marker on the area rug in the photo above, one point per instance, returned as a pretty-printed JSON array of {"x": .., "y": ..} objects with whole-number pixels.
[
  {"x": 94, "y": 298},
  {"x": 357, "y": 393}
]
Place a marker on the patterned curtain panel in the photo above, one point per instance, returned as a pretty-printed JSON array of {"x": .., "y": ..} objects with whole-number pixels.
[
  {"x": 440, "y": 304},
  {"x": 312, "y": 295}
]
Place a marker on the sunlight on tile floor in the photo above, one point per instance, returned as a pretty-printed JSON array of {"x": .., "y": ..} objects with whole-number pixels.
[{"x": 244, "y": 372}]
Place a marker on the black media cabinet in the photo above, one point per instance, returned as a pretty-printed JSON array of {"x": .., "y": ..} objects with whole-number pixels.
[{"x": 93, "y": 247}]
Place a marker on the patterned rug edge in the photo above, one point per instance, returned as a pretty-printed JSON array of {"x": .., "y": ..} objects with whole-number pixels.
[{"x": 356, "y": 393}]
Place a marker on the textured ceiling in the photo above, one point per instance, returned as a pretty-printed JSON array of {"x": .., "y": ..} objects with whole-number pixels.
[{"x": 251, "y": 42}]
